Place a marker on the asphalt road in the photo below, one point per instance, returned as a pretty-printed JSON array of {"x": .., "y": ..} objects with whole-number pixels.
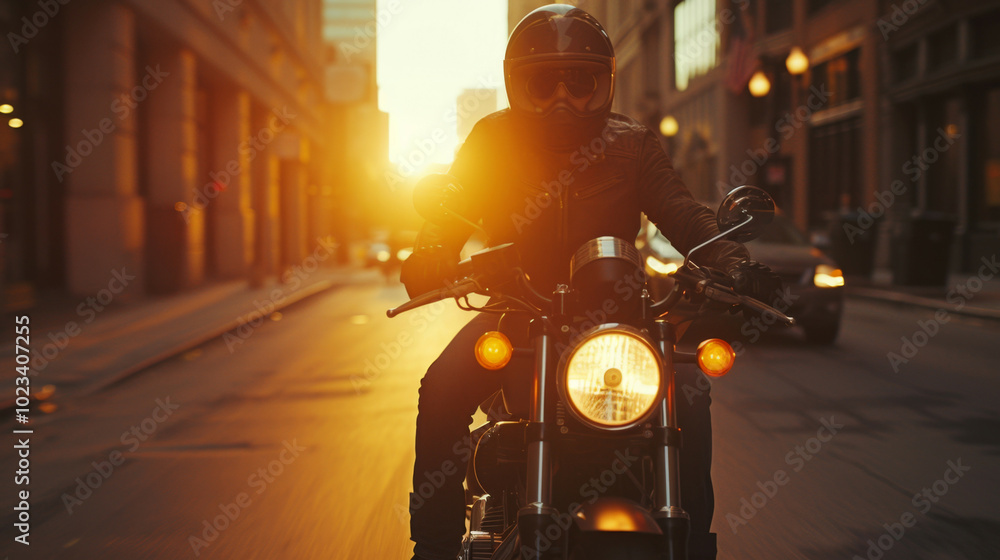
[{"x": 296, "y": 443}]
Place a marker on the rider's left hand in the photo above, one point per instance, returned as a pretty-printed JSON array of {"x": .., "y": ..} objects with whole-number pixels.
[{"x": 756, "y": 280}]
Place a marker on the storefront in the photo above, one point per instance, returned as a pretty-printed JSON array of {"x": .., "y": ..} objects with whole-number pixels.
[
  {"x": 944, "y": 95},
  {"x": 31, "y": 255}
]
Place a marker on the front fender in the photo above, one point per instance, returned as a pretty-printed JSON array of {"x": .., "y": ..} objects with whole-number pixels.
[{"x": 612, "y": 514}]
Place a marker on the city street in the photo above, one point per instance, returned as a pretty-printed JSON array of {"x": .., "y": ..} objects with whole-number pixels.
[{"x": 297, "y": 444}]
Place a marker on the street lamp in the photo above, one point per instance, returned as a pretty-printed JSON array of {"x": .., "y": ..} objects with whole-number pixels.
[
  {"x": 669, "y": 126},
  {"x": 759, "y": 84},
  {"x": 797, "y": 62},
  {"x": 15, "y": 123},
  {"x": 6, "y": 108}
]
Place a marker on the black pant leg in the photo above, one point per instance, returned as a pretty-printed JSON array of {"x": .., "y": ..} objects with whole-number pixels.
[
  {"x": 697, "y": 495},
  {"x": 454, "y": 385}
]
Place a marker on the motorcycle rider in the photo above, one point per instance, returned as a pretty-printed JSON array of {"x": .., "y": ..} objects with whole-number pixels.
[{"x": 555, "y": 170}]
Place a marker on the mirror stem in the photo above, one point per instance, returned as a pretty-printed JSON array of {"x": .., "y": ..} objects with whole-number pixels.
[{"x": 687, "y": 259}]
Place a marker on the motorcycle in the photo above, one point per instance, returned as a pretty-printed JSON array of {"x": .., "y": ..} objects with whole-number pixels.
[{"x": 602, "y": 395}]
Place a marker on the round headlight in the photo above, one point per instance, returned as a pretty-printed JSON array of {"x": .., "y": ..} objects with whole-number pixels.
[{"x": 612, "y": 377}]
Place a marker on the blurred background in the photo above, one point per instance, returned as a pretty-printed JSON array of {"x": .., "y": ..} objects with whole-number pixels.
[
  {"x": 190, "y": 184},
  {"x": 208, "y": 201}
]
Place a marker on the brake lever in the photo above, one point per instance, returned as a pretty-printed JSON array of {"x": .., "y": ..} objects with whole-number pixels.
[
  {"x": 727, "y": 295},
  {"x": 762, "y": 308},
  {"x": 458, "y": 289}
]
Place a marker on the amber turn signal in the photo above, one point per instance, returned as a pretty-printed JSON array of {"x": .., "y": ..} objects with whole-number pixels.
[
  {"x": 494, "y": 350},
  {"x": 715, "y": 357}
]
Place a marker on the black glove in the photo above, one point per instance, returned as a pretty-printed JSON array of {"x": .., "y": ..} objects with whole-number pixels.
[
  {"x": 428, "y": 268},
  {"x": 753, "y": 279},
  {"x": 435, "y": 192}
]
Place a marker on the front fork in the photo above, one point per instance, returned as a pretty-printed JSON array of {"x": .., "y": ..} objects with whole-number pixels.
[
  {"x": 542, "y": 534},
  {"x": 542, "y": 530},
  {"x": 670, "y": 516}
]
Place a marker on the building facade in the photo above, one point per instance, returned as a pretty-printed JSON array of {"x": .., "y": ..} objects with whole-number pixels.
[
  {"x": 357, "y": 169},
  {"x": 181, "y": 141},
  {"x": 891, "y": 95}
]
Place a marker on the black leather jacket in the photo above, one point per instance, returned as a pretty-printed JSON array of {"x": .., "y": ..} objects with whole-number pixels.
[{"x": 548, "y": 203}]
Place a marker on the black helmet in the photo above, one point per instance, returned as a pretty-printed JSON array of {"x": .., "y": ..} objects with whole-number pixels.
[{"x": 559, "y": 70}]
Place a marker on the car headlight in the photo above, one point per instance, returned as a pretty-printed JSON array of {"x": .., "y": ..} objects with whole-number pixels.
[
  {"x": 612, "y": 378},
  {"x": 660, "y": 267},
  {"x": 827, "y": 276}
]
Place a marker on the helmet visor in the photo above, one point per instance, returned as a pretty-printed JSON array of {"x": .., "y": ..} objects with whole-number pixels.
[
  {"x": 584, "y": 87},
  {"x": 579, "y": 82}
]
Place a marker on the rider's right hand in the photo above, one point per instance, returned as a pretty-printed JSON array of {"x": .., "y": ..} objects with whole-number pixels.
[{"x": 428, "y": 268}]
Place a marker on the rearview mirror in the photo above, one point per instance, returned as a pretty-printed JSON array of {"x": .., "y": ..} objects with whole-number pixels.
[{"x": 745, "y": 213}]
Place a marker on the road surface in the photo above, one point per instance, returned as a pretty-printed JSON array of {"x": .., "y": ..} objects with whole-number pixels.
[{"x": 295, "y": 442}]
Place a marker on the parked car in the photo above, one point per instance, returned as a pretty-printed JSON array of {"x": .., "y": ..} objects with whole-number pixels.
[{"x": 815, "y": 292}]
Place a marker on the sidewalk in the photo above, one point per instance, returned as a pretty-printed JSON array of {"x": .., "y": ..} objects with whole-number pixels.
[
  {"x": 965, "y": 294},
  {"x": 79, "y": 351}
]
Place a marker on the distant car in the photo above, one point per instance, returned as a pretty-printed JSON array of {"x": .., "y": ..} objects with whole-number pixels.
[
  {"x": 815, "y": 293},
  {"x": 389, "y": 249}
]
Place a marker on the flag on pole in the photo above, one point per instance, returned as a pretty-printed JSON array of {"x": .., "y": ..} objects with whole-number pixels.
[{"x": 742, "y": 60}]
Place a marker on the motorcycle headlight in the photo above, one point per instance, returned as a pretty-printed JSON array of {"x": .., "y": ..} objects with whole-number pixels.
[{"x": 612, "y": 377}]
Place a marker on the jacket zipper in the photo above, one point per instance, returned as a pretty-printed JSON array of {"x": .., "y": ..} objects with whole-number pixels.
[{"x": 563, "y": 219}]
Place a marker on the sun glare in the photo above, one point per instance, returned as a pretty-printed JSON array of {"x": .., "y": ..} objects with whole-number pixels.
[{"x": 428, "y": 55}]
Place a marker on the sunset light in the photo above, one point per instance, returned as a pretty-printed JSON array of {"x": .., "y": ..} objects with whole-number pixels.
[{"x": 427, "y": 57}]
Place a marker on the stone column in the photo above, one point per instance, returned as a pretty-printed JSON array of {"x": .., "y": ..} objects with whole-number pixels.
[
  {"x": 232, "y": 215},
  {"x": 266, "y": 194},
  {"x": 294, "y": 153},
  {"x": 176, "y": 233},
  {"x": 104, "y": 213}
]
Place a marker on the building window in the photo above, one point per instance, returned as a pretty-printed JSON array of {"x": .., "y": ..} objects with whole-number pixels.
[
  {"x": 904, "y": 63},
  {"x": 841, "y": 77},
  {"x": 942, "y": 48},
  {"x": 986, "y": 164},
  {"x": 696, "y": 40},
  {"x": 651, "y": 61},
  {"x": 778, "y": 15},
  {"x": 817, "y": 5},
  {"x": 986, "y": 34}
]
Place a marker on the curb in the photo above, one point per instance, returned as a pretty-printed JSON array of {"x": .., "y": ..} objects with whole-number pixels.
[
  {"x": 124, "y": 374},
  {"x": 917, "y": 301}
]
